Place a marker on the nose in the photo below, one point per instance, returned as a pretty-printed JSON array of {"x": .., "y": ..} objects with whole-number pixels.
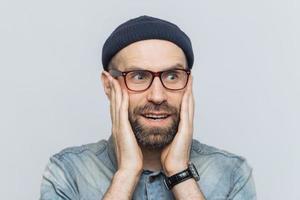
[{"x": 156, "y": 92}]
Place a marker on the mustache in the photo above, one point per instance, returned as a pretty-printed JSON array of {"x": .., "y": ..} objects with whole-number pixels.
[{"x": 151, "y": 107}]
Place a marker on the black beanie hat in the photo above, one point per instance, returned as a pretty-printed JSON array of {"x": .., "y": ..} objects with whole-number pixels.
[{"x": 143, "y": 28}]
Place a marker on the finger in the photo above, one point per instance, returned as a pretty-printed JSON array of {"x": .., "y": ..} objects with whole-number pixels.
[
  {"x": 191, "y": 104},
  {"x": 124, "y": 116},
  {"x": 114, "y": 120},
  {"x": 116, "y": 102},
  {"x": 115, "y": 123},
  {"x": 191, "y": 110},
  {"x": 118, "y": 94},
  {"x": 112, "y": 103},
  {"x": 113, "y": 111},
  {"x": 184, "y": 112},
  {"x": 184, "y": 108},
  {"x": 183, "y": 136},
  {"x": 124, "y": 105},
  {"x": 190, "y": 113},
  {"x": 109, "y": 78},
  {"x": 127, "y": 136},
  {"x": 183, "y": 123}
]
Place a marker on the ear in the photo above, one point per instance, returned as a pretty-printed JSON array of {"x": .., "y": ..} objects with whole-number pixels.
[{"x": 105, "y": 76}]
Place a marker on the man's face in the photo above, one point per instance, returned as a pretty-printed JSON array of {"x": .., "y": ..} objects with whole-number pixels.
[{"x": 154, "y": 114}]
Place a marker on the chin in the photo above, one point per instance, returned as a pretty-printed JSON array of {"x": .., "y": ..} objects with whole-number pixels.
[
  {"x": 154, "y": 138},
  {"x": 154, "y": 142},
  {"x": 154, "y": 132}
]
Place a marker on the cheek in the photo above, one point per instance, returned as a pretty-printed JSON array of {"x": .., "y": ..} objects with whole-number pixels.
[
  {"x": 175, "y": 99},
  {"x": 135, "y": 100}
]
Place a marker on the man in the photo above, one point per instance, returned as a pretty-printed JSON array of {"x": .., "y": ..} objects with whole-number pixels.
[{"x": 151, "y": 153}]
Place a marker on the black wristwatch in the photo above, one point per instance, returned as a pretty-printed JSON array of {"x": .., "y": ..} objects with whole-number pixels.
[{"x": 190, "y": 172}]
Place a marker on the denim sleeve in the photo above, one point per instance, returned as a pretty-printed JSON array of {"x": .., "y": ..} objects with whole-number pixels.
[
  {"x": 56, "y": 182},
  {"x": 243, "y": 183}
]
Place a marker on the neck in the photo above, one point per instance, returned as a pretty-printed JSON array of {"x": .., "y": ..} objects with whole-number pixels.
[{"x": 151, "y": 159}]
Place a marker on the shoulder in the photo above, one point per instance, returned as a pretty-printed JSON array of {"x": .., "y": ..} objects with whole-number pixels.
[
  {"x": 203, "y": 150},
  {"x": 92, "y": 148},
  {"x": 78, "y": 168},
  {"x": 81, "y": 158},
  {"x": 223, "y": 174},
  {"x": 77, "y": 162},
  {"x": 219, "y": 159}
]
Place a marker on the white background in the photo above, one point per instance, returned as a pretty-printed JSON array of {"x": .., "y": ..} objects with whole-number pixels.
[{"x": 246, "y": 77}]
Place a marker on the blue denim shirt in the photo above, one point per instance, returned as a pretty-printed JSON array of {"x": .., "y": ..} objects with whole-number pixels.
[{"x": 86, "y": 172}]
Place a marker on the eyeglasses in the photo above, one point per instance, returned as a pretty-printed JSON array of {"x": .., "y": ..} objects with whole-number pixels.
[{"x": 141, "y": 80}]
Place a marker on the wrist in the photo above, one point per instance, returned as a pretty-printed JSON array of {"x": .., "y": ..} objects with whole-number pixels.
[
  {"x": 188, "y": 190},
  {"x": 128, "y": 173},
  {"x": 196, "y": 195},
  {"x": 170, "y": 171},
  {"x": 184, "y": 175},
  {"x": 119, "y": 190},
  {"x": 130, "y": 168}
]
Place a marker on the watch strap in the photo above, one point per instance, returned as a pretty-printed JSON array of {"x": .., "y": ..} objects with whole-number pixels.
[{"x": 173, "y": 180}]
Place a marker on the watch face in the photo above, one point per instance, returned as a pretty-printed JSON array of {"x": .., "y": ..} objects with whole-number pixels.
[{"x": 194, "y": 171}]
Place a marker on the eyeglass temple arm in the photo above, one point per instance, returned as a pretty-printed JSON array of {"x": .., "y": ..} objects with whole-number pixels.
[{"x": 115, "y": 73}]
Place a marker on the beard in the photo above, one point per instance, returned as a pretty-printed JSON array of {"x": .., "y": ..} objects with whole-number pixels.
[{"x": 154, "y": 137}]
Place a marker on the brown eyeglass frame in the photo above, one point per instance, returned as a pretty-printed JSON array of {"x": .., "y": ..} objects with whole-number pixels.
[{"x": 116, "y": 73}]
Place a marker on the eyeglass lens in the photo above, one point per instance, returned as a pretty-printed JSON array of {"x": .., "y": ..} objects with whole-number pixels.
[{"x": 172, "y": 79}]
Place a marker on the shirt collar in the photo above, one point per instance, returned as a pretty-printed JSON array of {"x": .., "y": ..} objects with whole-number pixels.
[
  {"x": 196, "y": 146},
  {"x": 113, "y": 158},
  {"x": 111, "y": 153}
]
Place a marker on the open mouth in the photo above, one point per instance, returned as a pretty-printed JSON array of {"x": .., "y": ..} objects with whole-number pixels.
[{"x": 154, "y": 116}]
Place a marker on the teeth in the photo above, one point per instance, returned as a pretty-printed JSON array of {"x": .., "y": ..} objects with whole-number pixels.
[{"x": 156, "y": 116}]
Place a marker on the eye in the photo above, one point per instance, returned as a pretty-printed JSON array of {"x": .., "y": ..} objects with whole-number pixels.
[
  {"x": 138, "y": 76},
  {"x": 171, "y": 75}
]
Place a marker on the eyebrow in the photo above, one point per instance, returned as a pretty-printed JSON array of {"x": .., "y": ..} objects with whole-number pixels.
[{"x": 176, "y": 66}]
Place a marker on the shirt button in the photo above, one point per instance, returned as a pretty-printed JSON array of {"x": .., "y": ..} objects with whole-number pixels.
[{"x": 151, "y": 179}]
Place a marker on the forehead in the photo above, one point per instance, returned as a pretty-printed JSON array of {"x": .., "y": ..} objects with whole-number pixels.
[{"x": 154, "y": 55}]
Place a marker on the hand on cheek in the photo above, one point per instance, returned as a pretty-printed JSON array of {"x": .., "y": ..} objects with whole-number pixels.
[
  {"x": 128, "y": 153},
  {"x": 175, "y": 156}
]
